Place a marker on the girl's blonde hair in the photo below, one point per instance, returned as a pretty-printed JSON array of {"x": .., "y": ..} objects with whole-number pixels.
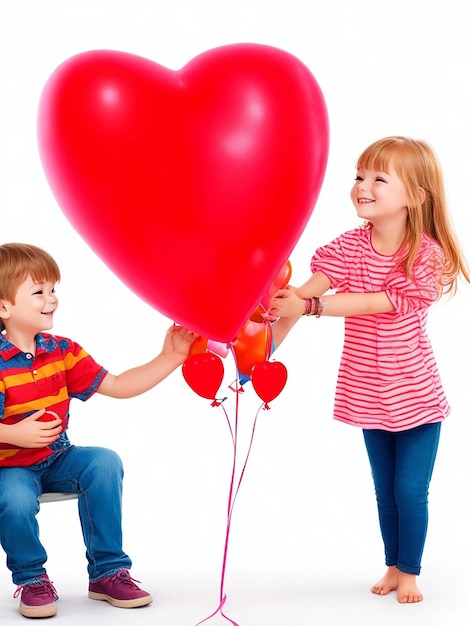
[
  {"x": 17, "y": 261},
  {"x": 419, "y": 169}
]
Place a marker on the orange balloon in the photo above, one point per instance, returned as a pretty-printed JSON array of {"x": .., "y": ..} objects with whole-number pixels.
[
  {"x": 258, "y": 313},
  {"x": 282, "y": 280},
  {"x": 252, "y": 345},
  {"x": 284, "y": 275},
  {"x": 199, "y": 345}
]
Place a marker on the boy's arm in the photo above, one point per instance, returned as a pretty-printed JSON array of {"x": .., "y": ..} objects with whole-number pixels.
[
  {"x": 31, "y": 432},
  {"x": 138, "y": 380}
]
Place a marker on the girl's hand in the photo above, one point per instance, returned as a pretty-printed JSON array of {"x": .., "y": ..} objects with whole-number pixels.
[
  {"x": 287, "y": 302},
  {"x": 34, "y": 432}
]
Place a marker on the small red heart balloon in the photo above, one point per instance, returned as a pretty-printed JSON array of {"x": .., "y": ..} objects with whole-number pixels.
[
  {"x": 193, "y": 186},
  {"x": 204, "y": 374},
  {"x": 268, "y": 379}
]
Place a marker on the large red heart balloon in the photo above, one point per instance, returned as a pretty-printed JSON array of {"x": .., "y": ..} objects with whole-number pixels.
[{"x": 193, "y": 186}]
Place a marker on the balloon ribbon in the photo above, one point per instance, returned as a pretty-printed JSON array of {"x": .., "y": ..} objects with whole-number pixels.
[{"x": 233, "y": 493}]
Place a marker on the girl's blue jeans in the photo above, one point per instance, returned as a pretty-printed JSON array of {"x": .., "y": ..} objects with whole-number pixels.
[
  {"x": 95, "y": 474},
  {"x": 402, "y": 465}
]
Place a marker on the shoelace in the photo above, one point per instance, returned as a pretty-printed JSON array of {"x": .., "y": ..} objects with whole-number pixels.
[
  {"x": 124, "y": 578},
  {"x": 41, "y": 588}
]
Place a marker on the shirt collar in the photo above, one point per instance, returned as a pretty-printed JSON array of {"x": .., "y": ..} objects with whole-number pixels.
[{"x": 9, "y": 350}]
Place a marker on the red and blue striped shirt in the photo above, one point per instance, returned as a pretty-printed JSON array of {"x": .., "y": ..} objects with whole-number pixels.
[{"x": 60, "y": 370}]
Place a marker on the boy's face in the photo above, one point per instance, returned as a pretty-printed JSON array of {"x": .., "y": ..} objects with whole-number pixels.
[{"x": 34, "y": 308}]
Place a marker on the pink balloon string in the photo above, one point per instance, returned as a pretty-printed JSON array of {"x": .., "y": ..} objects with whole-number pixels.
[
  {"x": 218, "y": 610},
  {"x": 234, "y": 489},
  {"x": 238, "y": 389},
  {"x": 218, "y": 402}
]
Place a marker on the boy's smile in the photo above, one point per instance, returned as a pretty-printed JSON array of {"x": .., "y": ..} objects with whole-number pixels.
[{"x": 33, "y": 309}]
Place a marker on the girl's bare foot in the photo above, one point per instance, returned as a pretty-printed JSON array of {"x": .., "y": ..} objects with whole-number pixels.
[
  {"x": 407, "y": 589},
  {"x": 388, "y": 583}
]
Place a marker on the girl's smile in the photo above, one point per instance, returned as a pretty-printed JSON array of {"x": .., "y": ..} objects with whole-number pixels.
[{"x": 380, "y": 197}]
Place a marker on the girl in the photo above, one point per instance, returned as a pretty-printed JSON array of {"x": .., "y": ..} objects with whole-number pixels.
[{"x": 386, "y": 274}]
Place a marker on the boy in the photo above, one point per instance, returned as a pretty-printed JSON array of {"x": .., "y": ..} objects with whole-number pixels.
[{"x": 39, "y": 374}]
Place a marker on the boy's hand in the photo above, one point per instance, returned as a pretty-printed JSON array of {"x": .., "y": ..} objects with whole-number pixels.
[
  {"x": 178, "y": 341},
  {"x": 38, "y": 430}
]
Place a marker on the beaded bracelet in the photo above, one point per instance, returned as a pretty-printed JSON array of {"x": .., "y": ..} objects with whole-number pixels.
[
  {"x": 308, "y": 306},
  {"x": 314, "y": 306}
]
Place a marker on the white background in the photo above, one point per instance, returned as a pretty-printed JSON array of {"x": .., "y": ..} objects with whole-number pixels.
[{"x": 305, "y": 546}]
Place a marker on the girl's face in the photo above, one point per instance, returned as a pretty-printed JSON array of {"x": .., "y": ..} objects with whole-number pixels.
[
  {"x": 34, "y": 308},
  {"x": 379, "y": 196}
]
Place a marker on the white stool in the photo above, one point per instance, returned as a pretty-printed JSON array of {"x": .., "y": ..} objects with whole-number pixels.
[{"x": 57, "y": 496}]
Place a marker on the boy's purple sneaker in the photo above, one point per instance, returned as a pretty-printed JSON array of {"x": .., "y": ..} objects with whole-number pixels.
[
  {"x": 38, "y": 598},
  {"x": 119, "y": 590}
]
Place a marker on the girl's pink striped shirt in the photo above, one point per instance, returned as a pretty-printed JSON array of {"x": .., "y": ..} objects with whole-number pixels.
[{"x": 388, "y": 377}]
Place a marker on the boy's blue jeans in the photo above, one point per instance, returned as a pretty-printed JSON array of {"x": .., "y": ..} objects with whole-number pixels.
[
  {"x": 402, "y": 465},
  {"x": 96, "y": 475}
]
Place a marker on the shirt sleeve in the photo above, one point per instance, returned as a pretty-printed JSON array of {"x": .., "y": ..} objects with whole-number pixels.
[
  {"x": 83, "y": 374},
  {"x": 419, "y": 291},
  {"x": 2, "y": 399},
  {"x": 333, "y": 260}
]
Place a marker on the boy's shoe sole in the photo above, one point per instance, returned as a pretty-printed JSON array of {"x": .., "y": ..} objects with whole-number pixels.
[
  {"x": 122, "y": 604},
  {"x": 48, "y": 610},
  {"x": 38, "y": 598}
]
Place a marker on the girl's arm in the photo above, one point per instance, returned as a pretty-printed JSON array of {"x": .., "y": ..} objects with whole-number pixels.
[
  {"x": 316, "y": 285},
  {"x": 289, "y": 304},
  {"x": 348, "y": 304},
  {"x": 137, "y": 380}
]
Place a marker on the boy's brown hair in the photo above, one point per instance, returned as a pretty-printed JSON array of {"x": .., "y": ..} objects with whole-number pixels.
[{"x": 17, "y": 261}]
